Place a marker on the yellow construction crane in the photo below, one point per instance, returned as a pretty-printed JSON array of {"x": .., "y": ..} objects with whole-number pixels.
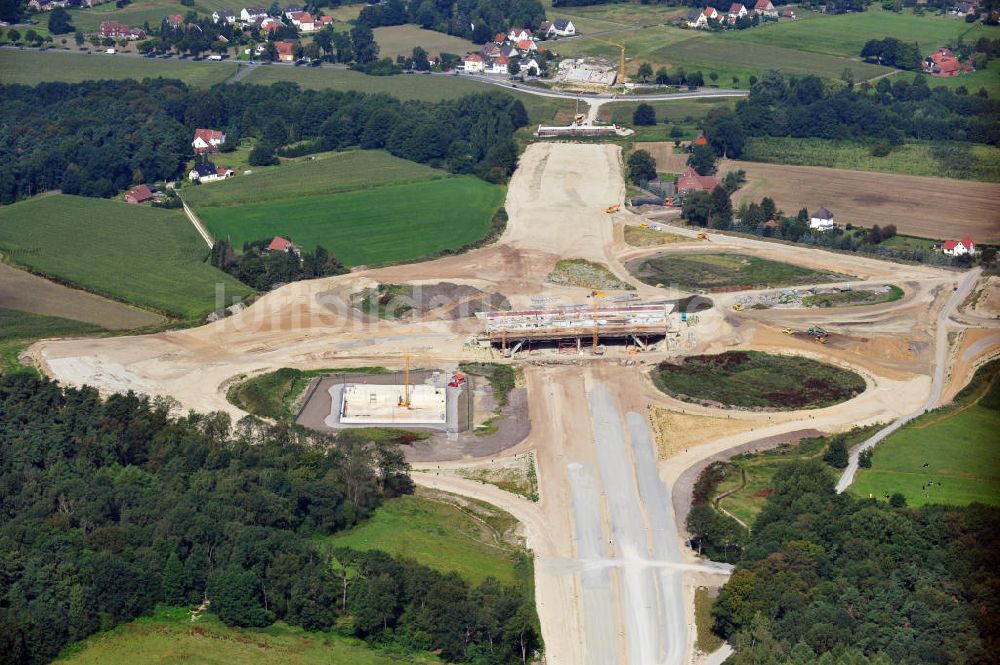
[
  {"x": 597, "y": 295},
  {"x": 621, "y": 63}
]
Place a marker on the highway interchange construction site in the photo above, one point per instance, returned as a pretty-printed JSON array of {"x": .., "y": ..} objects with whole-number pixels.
[{"x": 614, "y": 582}]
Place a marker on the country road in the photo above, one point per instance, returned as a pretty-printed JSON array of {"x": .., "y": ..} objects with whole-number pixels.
[{"x": 937, "y": 385}]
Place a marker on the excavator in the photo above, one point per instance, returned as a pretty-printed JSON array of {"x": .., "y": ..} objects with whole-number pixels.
[
  {"x": 614, "y": 208},
  {"x": 702, "y": 236}
]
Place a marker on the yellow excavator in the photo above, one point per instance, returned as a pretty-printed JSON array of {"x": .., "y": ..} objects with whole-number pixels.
[
  {"x": 615, "y": 208},
  {"x": 737, "y": 307}
]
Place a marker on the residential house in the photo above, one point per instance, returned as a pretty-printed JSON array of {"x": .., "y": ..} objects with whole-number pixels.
[
  {"x": 765, "y": 8},
  {"x": 706, "y": 15},
  {"x": 46, "y": 5},
  {"x": 207, "y": 140},
  {"x": 526, "y": 46},
  {"x": 87, "y": 4},
  {"x": 474, "y": 63},
  {"x": 944, "y": 62},
  {"x": 821, "y": 220},
  {"x": 771, "y": 224},
  {"x": 303, "y": 21},
  {"x": 269, "y": 25},
  {"x": 498, "y": 65},
  {"x": 736, "y": 12},
  {"x": 510, "y": 51},
  {"x": 323, "y": 21},
  {"x": 959, "y": 247},
  {"x": 175, "y": 21},
  {"x": 500, "y": 38},
  {"x": 694, "y": 18},
  {"x": 115, "y": 30},
  {"x": 789, "y": 13},
  {"x": 530, "y": 66},
  {"x": 138, "y": 194},
  {"x": 209, "y": 172},
  {"x": 690, "y": 181},
  {"x": 292, "y": 9},
  {"x": 564, "y": 28},
  {"x": 223, "y": 16},
  {"x": 279, "y": 244},
  {"x": 546, "y": 30},
  {"x": 252, "y": 14},
  {"x": 286, "y": 51},
  {"x": 490, "y": 51},
  {"x": 519, "y": 34}
]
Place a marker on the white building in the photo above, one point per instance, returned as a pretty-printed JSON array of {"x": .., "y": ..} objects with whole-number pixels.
[
  {"x": 736, "y": 12},
  {"x": 563, "y": 27},
  {"x": 821, "y": 220},
  {"x": 959, "y": 247},
  {"x": 474, "y": 63},
  {"x": 251, "y": 14},
  {"x": 518, "y": 34}
]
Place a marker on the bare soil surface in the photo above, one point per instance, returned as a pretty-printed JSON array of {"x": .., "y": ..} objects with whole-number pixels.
[{"x": 938, "y": 208}]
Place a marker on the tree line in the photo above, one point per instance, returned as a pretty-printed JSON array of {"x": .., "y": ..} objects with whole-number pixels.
[
  {"x": 112, "y": 506},
  {"x": 476, "y": 20},
  {"x": 262, "y": 270},
  {"x": 98, "y": 138},
  {"x": 826, "y": 577}
]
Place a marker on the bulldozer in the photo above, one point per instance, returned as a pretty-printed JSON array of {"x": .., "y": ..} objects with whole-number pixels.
[
  {"x": 737, "y": 307},
  {"x": 702, "y": 236},
  {"x": 788, "y": 331},
  {"x": 818, "y": 333},
  {"x": 612, "y": 209}
]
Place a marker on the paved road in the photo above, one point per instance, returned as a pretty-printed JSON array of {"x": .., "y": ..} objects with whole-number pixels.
[{"x": 937, "y": 385}]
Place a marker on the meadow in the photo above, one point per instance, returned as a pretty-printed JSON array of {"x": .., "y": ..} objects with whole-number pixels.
[
  {"x": 33, "y": 67},
  {"x": 400, "y": 40},
  {"x": 723, "y": 272},
  {"x": 18, "y": 329},
  {"x": 757, "y": 380},
  {"x": 391, "y": 224},
  {"x": 947, "y": 456},
  {"x": 686, "y": 114},
  {"x": 328, "y": 173},
  {"x": 147, "y": 256},
  {"x": 170, "y": 638},
  {"x": 440, "y": 535},
  {"x": 950, "y": 160}
]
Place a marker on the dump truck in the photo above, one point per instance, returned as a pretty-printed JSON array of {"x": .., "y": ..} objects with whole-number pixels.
[{"x": 614, "y": 208}]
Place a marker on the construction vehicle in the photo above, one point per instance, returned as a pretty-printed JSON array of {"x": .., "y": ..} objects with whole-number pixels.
[
  {"x": 644, "y": 226},
  {"x": 818, "y": 334},
  {"x": 615, "y": 208},
  {"x": 788, "y": 331},
  {"x": 737, "y": 307},
  {"x": 702, "y": 236},
  {"x": 579, "y": 118}
]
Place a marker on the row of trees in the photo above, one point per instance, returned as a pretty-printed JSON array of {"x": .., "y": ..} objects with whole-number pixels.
[
  {"x": 477, "y": 20},
  {"x": 861, "y": 580},
  {"x": 263, "y": 270},
  {"x": 99, "y": 138},
  {"x": 113, "y": 506},
  {"x": 892, "y": 52}
]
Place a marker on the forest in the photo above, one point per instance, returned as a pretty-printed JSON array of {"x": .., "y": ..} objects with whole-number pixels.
[
  {"x": 99, "y": 138},
  {"x": 477, "y": 20},
  {"x": 112, "y": 506},
  {"x": 862, "y": 580}
]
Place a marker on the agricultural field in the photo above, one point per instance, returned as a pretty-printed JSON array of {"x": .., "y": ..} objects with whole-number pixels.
[
  {"x": 170, "y": 638},
  {"x": 723, "y": 272},
  {"x": 937, "y": 208},
  {"x": 400, "y": 40},
  {"x": 948, "y": 456},
  {"x": 18, "y": 329},
  {"x": 469, "y": 537},
  {"x": 147, "y": 256},
  {"x": 963, "y": 161},
  {"x": 846, "y": 34},
  {"x": 328, "y": 173},
  {"x": 756, "y": 380},
  {"x": 33, "y": 67}
]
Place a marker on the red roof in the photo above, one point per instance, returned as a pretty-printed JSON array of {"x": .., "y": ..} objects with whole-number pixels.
[
  {"x": 949, "y": 244},
  {"x": 701, "y": 140},
  {"x": 140, "y": 193},
  {"x": 503, "y": 60},
  {"x": 735, "y": 8},
  {"x": 691, "y": 180},
  {"x": 525, "y": 44},
  {"x": 284, "y": 48},
  {"x": 500, "y": 38},
  {"x": 762, "y": 4},
  {"x": 303, "y": 17},
  {"x": 473, "y": 57},
  {"x": 175, "y": 19},
  {"x": 709, "y": 11},
  {"x": 209, "y": 135},
  {"x": 280, "y": 244}
]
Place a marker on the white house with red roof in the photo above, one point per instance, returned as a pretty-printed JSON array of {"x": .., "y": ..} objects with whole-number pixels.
[
  {"x": 765, "y": 8},
  {"x": 474, "y": 63},
  {"x": 959, "y": 247},
  {"x": 498, "y": 65},
  {"x": 207, "y": 140},
  {"x": 526, "y": 46},
  {"x": 279, "y": 244},
  {"x": 706, "y": 15},
  {"x": 303, "y": 21},
  {"x": 285, "y": 51},
  {"x": 518, "y": 34},
  {"x": 737, "y": 11}
]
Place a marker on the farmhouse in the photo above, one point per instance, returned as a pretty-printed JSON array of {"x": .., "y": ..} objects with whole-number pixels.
[
  {"x": 209, "y": 172},
  {"x": 821, "y": 220},
  {"x": 114, "y": 30},
  {"x": 944, "y": 62},
  {"x": 285, "y": 50},
  {"x": 251, "y": 14},
  {"x": 207, "y": 140},
  {"x": 765, "y": 8},
  {"x": 959, "y": 247},
  {"x": 138, "y": 194},
  {"x": 474, "y": 63},
  {"x": 691, "y": 181},
  {"x": 223, "y": 16},
  {"x": 175, "y": 21},
  {"x": 279, "y": 244}
]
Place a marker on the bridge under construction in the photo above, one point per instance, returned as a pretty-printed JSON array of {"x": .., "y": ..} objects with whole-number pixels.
[{"x": 577, "y": 327}]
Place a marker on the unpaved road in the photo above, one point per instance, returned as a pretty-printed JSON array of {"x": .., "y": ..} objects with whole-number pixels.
[{"x": 609, "y": 561}]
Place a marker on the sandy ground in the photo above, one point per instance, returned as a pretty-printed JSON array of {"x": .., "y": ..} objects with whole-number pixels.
[
  {"x": 610, "y": 566},
  {"x": 928, "y": 207}
]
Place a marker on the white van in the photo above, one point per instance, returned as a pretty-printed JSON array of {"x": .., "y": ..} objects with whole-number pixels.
[
  {"x": 215, "y": 57},
  {"x": 111, "y": 51}
]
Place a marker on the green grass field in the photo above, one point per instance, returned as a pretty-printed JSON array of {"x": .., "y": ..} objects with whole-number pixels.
[
  {"x": 945, "y": 160},
  {"x": 400, "y": 40},
  {"x": 329, "y": 173},
  {"x": 275, "y": 394},
  {"x": 684, "y": 113},
  {"x": 170, "y": 638},
  {"x": 723, "y": 272},
  {"x": 32, "y": 68},
  {"x": 757, "y": 380},
  {"x": 950, "y": 455},
  {"x": 18, "y": 329},
  {"x": 391, "y": 224},
  {"x": 134, "y": 14},
  {"x": 853, "y": 297},
  {"x": 440, "y": 535},
  {"x": 143, "y": 255}
]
